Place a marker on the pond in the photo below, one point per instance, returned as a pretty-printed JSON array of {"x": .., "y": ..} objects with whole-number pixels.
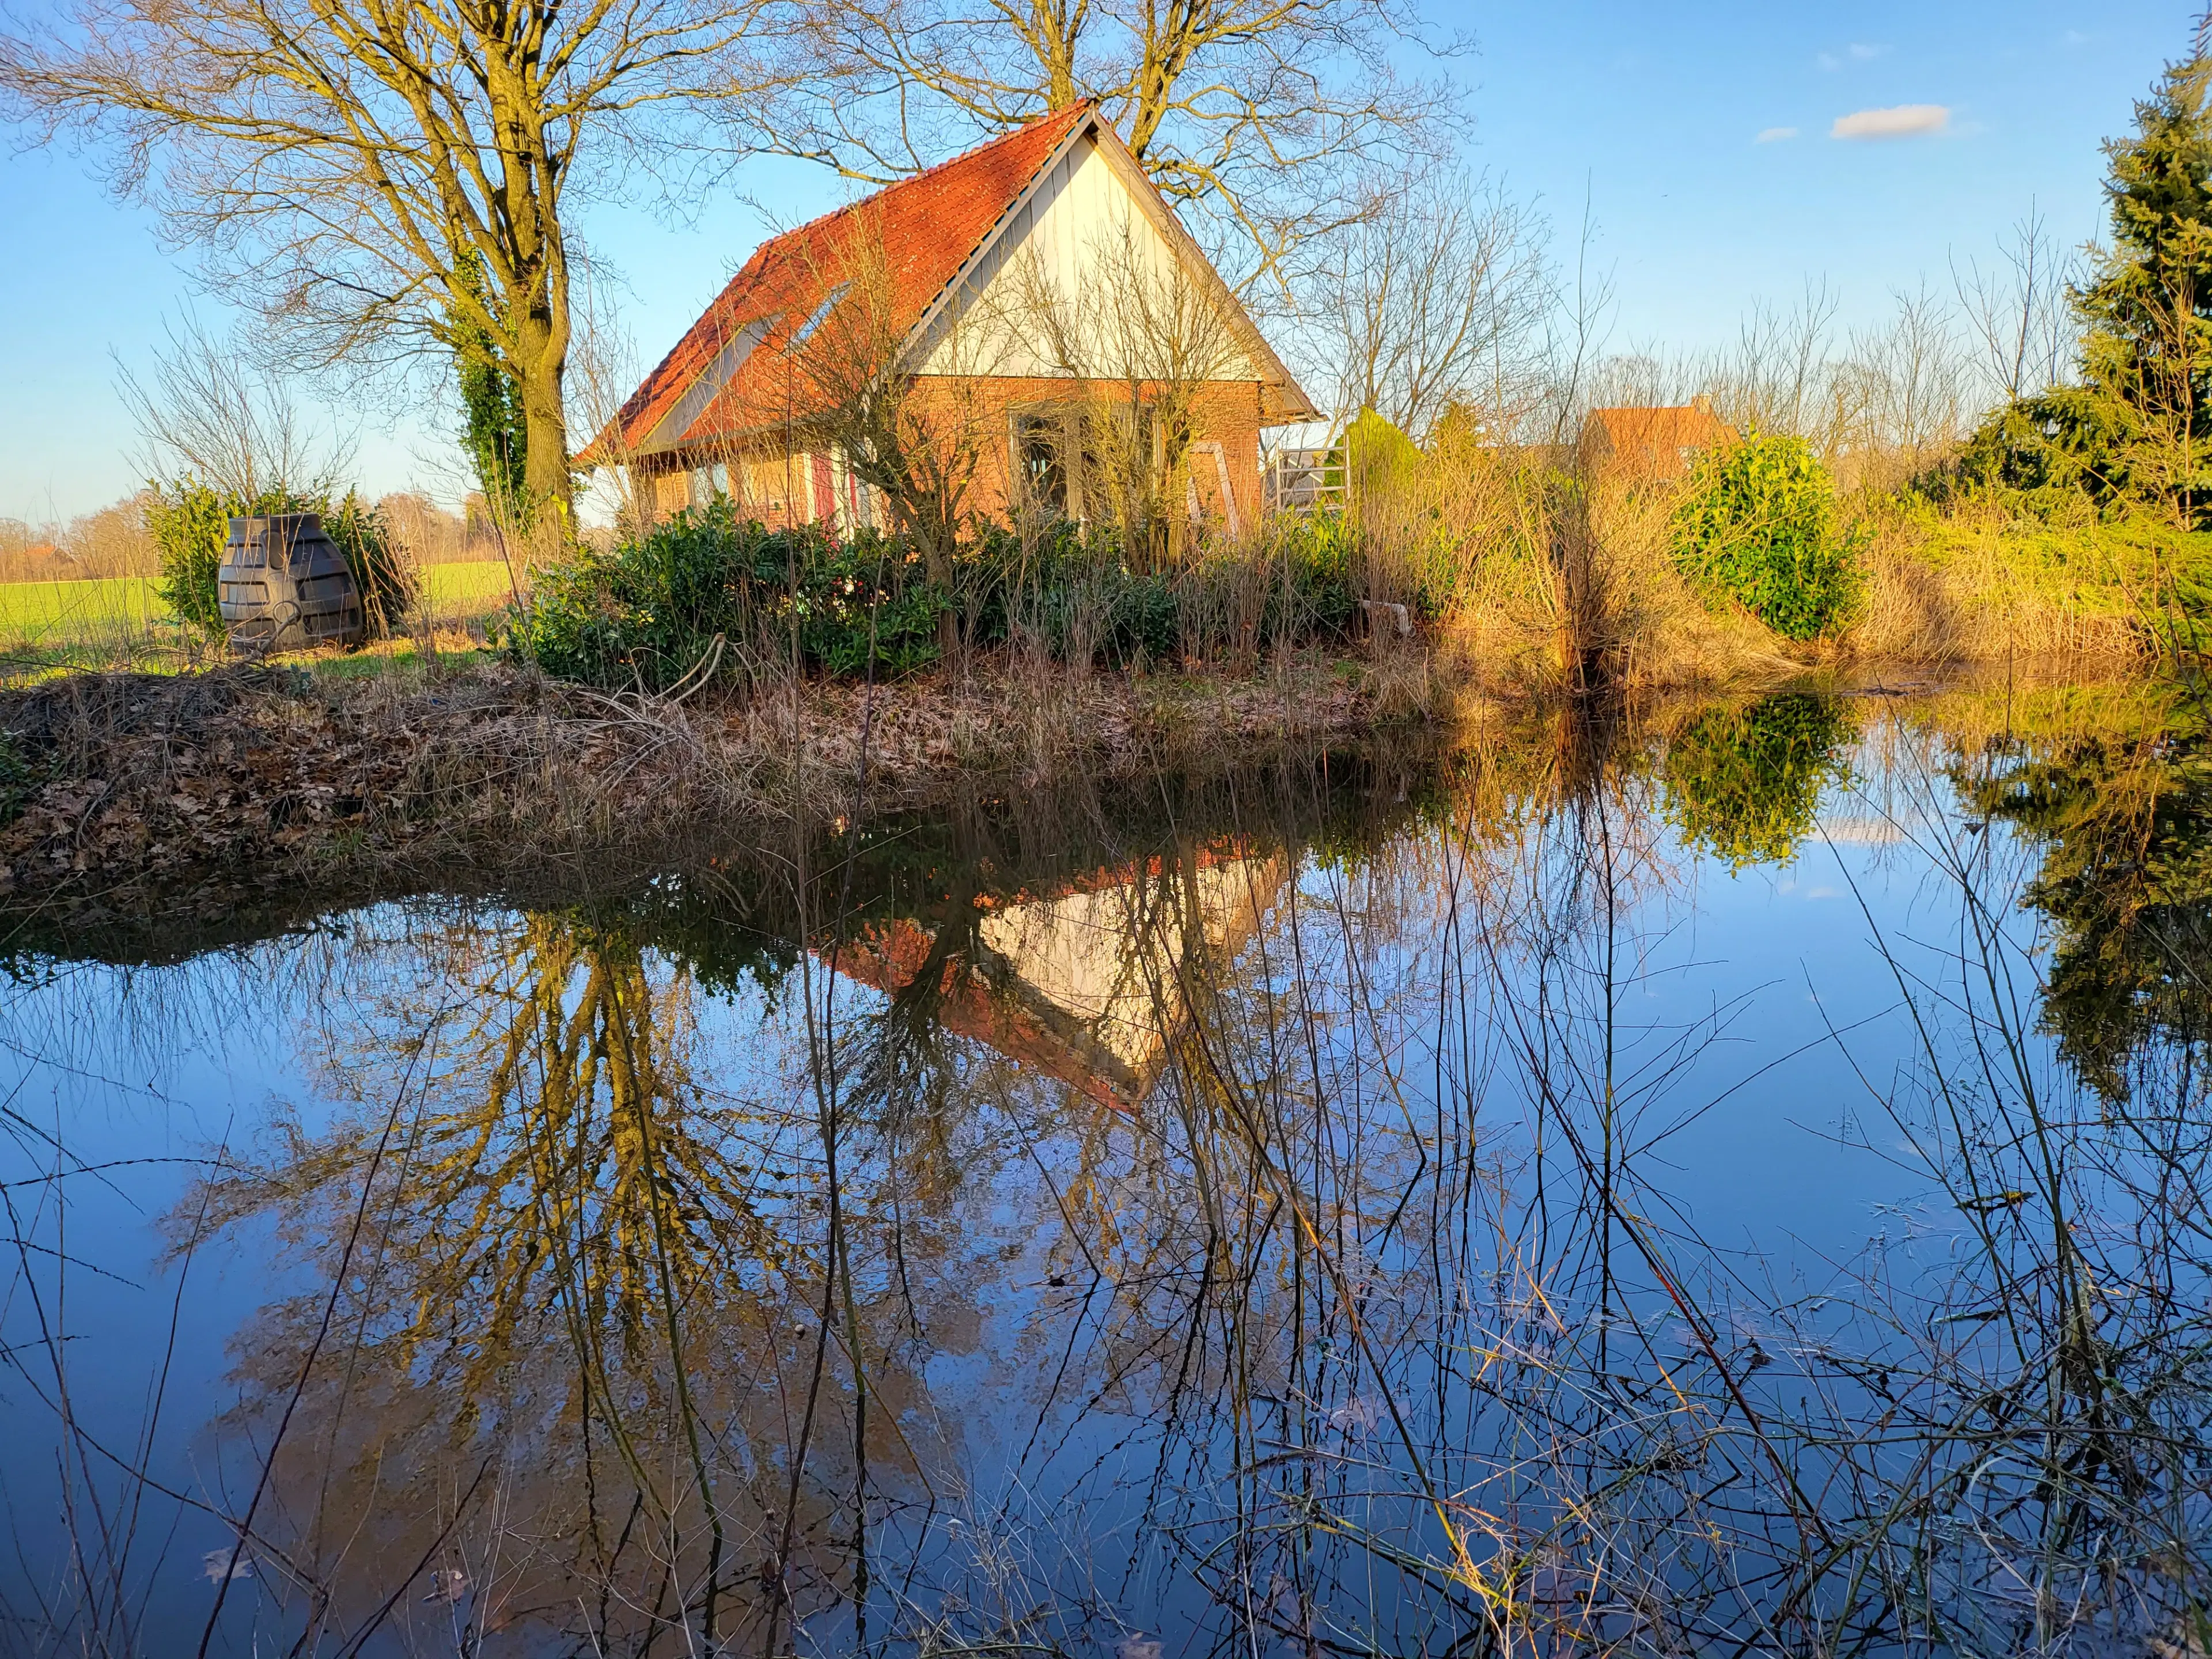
[{"x": 1728, "y": 1181}]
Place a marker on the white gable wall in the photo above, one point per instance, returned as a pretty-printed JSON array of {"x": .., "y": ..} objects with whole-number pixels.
[{"x": 1080, "y": 232}]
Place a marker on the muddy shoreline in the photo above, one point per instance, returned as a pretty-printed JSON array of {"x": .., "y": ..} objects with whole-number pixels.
[{"x": 132, "y": 796}]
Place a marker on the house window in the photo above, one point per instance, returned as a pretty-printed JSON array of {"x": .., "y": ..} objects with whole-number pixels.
[
  {"x": 1040, "y": 466},
  {"x": 709, "y": 482},
  {"x": 799, "y": 335},
  {"x": 1088, "y": 464}
]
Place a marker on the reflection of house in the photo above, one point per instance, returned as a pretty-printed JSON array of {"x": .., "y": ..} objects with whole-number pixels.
[
  {"x": 1014, "y": 284},
  {"x": 1086, "y": 984},
  {"x": 1653, "y": 446}
]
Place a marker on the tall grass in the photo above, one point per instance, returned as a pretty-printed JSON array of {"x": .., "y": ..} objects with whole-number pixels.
[{"x": 1539, "y": 573}]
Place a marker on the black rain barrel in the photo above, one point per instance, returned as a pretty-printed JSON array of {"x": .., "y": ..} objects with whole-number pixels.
[{"x": 284, "y": 585}]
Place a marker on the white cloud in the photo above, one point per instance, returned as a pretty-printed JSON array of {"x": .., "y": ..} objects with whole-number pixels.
[
  {"x": 1900, "y": 121},
  {"x": 1859, "y": 52},
  {"x": 1774, "y": 135}
]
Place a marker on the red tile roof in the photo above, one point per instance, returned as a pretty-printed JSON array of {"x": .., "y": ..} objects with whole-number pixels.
[
  {"x": 928, "y": 226},
  {"x": 1655, "y": 438}
]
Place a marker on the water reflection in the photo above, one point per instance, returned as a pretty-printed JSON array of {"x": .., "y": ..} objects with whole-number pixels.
[
  {"x": 1744, "y": 784},
  {"x": 1367, "y": 1207},
  {"x": 2125, "y": 818}
]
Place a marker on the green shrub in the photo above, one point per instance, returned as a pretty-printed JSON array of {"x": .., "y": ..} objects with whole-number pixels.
[
  {"x": 2060, "y": 455},
  {"x": 860, "y": 598},
  {"x": 189, "y": 521},
  {"x": 645, "y": 612},
  {"x": 1079, "y": 577},
  {"x": 1322, "y": 552},
  {"x": 382, "y": 573},
  {"x": 1757, "y": 524}
]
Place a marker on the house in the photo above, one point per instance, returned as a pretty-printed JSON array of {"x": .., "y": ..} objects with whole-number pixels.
[
  {"x": 1652, "y": 445},
  {"x": 1037, "y": 304},
  {"x": 1085, "y": 984}
]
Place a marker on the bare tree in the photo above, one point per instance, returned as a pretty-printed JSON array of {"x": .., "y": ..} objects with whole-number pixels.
[
  {"x": 1575, "y": 335},
  {"x": 1904, "y": 388},
  {"x": 1265, "y": 114},
  {"x": 916, "y": 439},
  {"x": 1140, "y": 346},
  {"x": 602, "y": 370},
  {"x": 348, "y": 164},
  {"x": 2016, "y": 311},
  {"x": 207, "y": 412},
  {"x": 1779, "y": 375},
  {"x": 1438, "y": 296}
]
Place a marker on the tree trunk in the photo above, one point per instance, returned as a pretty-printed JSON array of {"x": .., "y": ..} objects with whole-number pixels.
[{"x": 539, "y": 365}]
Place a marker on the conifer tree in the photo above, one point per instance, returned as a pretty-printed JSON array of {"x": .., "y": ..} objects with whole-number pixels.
[{"x": 2146, "y": 352}]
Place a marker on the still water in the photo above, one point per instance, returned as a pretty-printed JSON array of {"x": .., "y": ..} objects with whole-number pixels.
[{"x": 1729, "y": 1182}]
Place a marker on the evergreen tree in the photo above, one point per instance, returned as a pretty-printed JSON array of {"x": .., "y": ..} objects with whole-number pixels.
[{"x": 2147, "y": 355}]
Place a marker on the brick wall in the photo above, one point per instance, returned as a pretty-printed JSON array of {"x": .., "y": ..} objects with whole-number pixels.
[{"x": 784, "y": 485}]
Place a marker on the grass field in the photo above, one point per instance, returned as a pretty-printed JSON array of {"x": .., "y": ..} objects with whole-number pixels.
[
  {"x": 119, "y": 623},
  {"x": 59, "y": 614}
]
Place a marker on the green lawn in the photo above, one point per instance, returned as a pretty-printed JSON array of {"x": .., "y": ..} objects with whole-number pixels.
[
  {"x": 54, "y": 611},
  {"x": 88, "y": 613}
]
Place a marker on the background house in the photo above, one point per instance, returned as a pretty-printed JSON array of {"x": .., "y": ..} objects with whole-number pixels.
[
  {"x": 1654, "y": 445},
  {"x": 1031, "y": 314}
]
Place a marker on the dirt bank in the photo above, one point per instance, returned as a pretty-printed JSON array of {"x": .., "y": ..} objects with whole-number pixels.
[{"x": 114, "y": 785}]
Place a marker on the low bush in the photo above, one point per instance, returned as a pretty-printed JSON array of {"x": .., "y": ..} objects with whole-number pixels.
[
  {"x": 1757, "y": 524},
  {"x": 189, "y": 522},
  {"x": 644, "y": 612},
  {"x": 1294, "y": 584}
]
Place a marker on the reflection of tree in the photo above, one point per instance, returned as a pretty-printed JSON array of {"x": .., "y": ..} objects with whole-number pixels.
[
  {"x": 1745, "y": 783},
  {"x": 581, "y": 1274},
  {"x": 2126, "y": 829}
]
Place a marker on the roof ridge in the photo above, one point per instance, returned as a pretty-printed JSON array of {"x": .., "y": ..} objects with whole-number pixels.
[{"x": 968, "y": 155}]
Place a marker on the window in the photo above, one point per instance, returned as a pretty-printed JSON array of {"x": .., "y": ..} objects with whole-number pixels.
[
  {"x": 1039, "y": 468},
  {"x": 709, "y": 482},
  {"x": 1088, "y": 464},
  {"x": 799, "y": 335}
]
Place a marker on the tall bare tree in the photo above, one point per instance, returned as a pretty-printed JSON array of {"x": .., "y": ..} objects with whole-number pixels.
[
  {"x": 1440, "y": 296},
  {"x": 916, "y": 439},
  {"x": 2016, "y": 311},
  {"x": 205, "y": 411},
  {"x": 1263, "y": 114},
  {"x": 1140, "y": 346},
  {"x": 351, "y": 165},
  {"x": 1902, "y": 392}
]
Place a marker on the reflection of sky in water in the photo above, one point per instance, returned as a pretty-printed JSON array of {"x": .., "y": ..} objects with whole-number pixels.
[{"x": 1747, "y": 1141}]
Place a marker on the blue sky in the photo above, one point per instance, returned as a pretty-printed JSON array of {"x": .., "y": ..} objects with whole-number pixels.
[{"x": 1655, "y": 112}]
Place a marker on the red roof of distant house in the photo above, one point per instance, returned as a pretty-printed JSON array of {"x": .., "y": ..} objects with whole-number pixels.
[
  {"x": 928, "y": 226},
  {"x": 1658, "y": 436}
]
